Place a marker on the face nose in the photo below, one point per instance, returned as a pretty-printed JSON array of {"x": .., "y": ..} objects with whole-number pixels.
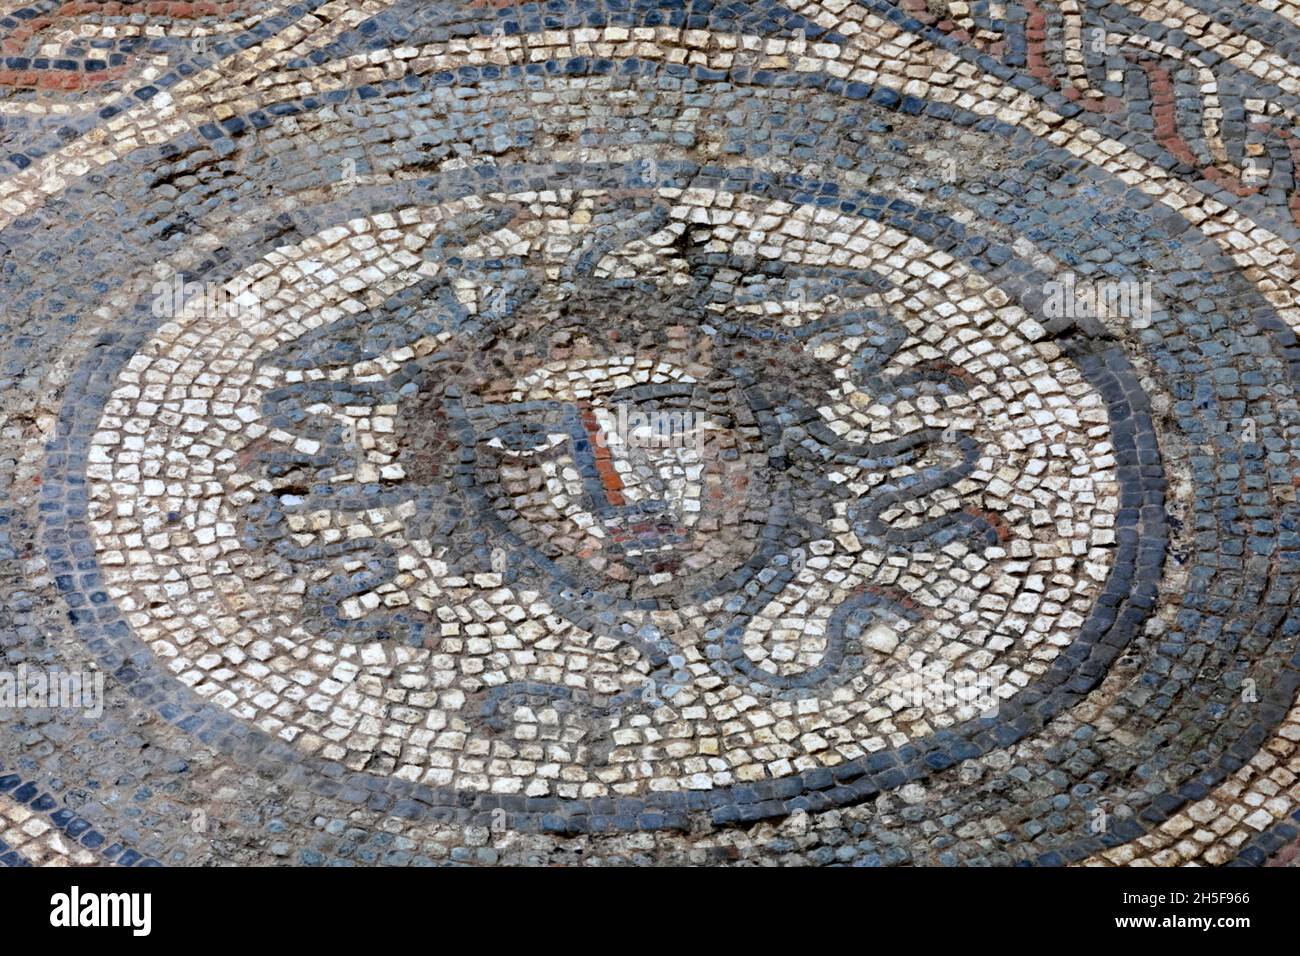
[
  {"x": 609, "y": 493},
  {"x": 637, "y": 527}
]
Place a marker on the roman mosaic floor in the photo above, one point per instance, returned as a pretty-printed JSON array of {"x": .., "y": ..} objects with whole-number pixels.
[{"x": 855, "y": 432}]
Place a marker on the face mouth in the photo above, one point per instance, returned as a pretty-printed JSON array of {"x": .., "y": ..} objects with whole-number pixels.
[{"x": 648, "y": 544}]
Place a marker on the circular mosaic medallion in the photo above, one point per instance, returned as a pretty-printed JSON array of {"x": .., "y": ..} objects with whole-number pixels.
[{"x": 550, "y": 523}]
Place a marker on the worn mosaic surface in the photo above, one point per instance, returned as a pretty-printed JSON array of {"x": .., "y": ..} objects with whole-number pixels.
[{"x": 650, "y": 432}]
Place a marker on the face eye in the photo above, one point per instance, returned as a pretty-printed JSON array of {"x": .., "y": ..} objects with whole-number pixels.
[
  {"x": 656, "y": 429},
  {"x": 523, "y": 438}
]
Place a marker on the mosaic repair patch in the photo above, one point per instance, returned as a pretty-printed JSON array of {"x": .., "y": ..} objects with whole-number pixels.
[{"x": 658, "y": 431}]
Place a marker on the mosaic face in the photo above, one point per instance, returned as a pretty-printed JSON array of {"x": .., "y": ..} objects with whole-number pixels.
[
  {"x": 615, "y": 469},
  {"x": 603, "y": 419}
]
